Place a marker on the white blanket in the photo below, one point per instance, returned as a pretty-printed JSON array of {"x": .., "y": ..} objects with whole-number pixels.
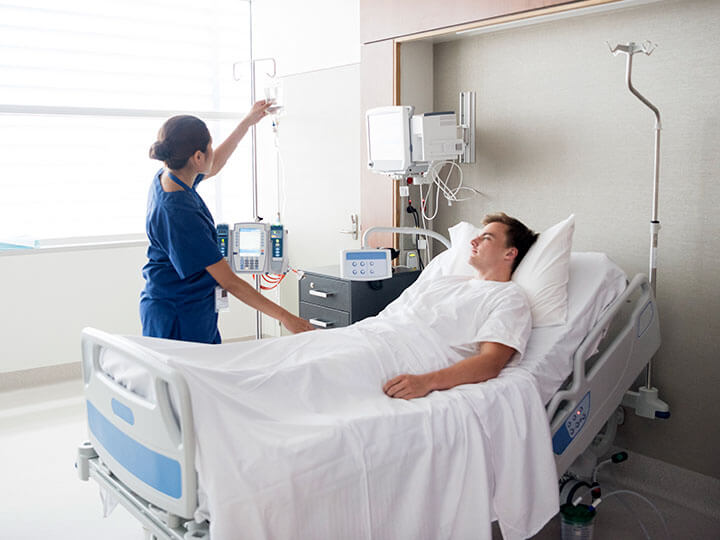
[{"x": 297, "y": 440}]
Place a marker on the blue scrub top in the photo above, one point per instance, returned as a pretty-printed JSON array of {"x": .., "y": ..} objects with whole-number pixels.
[{"x": 178, "y": 301}]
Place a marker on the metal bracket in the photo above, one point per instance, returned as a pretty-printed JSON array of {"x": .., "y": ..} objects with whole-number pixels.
[
  {"x": 467, "y": 124},
  {"x": 355, "y": 228}
]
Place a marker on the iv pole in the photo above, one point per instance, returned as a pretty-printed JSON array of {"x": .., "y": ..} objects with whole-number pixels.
[
  {"x": 253, "y": 133},
  {"x": 645, "y": 401},
  {"x": 253, "y": 137}
]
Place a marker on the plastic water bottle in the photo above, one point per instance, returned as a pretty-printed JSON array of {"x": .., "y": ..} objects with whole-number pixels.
[{"x": 576, "y": 522}]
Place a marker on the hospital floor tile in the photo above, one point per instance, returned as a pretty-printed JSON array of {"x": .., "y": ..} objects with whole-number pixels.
[{"x": 42, "y": 497}]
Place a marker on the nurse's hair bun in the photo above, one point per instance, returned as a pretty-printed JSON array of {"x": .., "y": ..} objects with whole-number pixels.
[
  {"x": 159, "y": 150},
  {"x": 179, "y": 138}
]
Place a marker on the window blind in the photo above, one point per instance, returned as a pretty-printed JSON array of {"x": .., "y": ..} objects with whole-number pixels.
[{"x": 84, "y": 88}]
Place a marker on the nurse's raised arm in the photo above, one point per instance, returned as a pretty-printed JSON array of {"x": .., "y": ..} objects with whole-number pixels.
[{"x": 223, "y": 152}]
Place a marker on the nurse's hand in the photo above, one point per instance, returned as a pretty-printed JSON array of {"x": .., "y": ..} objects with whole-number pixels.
[
  {"x": 257, "y": 112},
  {"x": 296, "y": 324}
]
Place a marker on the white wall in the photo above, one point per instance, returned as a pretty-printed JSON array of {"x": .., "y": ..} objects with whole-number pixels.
[
  {"x": 307, "y": 36},
  {"x": 317, "y": 49},
  {"x": 48, "y": 298}
]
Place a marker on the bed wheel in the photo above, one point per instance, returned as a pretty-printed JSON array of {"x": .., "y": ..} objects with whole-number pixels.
[{"x": 196, "y": 531}]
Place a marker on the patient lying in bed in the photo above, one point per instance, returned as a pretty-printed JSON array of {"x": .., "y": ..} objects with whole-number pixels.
[
  {"x": 296, "y": 440},
  {"x": 484, "y": 321}
]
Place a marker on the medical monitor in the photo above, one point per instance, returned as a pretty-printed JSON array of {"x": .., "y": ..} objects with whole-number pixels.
[
  {"x": 388, "y": 138},
  {"x": 401, "y": 144}
]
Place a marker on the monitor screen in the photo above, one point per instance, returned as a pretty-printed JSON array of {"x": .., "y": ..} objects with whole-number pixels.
[
  {"x": 387, "y": 136},
  {"x": 249, "y": 242}
]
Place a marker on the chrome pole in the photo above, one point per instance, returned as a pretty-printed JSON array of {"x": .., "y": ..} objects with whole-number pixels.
[
  {"x": 647, "y": 48},
  {"x": 253, "y": 138}
]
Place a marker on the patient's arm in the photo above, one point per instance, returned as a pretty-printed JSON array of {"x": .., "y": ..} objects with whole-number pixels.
[{"x": 487, "y": 364}]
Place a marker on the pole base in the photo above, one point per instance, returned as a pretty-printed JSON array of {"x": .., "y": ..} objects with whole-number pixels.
[{"x": 646, "y": 403}]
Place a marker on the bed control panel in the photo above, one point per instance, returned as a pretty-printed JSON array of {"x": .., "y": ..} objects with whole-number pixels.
[{"x": 572, "y": 426}]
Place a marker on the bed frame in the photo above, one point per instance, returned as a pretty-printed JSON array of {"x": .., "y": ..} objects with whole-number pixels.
[
  {"x": 579, "y": 411},
  {"x": 144, "y": 453}
]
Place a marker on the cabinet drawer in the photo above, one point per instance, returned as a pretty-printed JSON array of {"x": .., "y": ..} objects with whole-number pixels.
[
  {"x": 325, "y": 291},
  {"x": 323, "y": 317}
]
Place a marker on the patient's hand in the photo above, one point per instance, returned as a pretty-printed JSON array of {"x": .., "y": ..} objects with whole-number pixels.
[{"x": 407, "y": 386}]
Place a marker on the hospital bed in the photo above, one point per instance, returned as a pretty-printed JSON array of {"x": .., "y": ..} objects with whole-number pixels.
[{"x": 142, "y": 444}]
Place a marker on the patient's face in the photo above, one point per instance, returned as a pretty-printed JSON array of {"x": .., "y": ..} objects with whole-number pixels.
[{"x": 489, "y": 248}]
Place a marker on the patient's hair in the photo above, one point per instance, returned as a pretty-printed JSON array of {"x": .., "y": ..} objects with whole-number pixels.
[
  {"x": 519, "y": 235},
  {"x": 178, "y": 139}
]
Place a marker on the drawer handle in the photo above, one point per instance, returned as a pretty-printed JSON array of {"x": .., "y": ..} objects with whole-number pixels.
[
  {"x": 321, "y": 294},
  {"x": 321, "y": 323}
]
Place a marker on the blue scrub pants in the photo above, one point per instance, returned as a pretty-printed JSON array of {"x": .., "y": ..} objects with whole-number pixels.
[{"x": 162, "y": 319}]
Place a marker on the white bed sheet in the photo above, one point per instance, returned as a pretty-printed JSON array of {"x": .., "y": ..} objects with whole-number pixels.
[
  {"x": 292, "y": 448},
  {"x": 296, "y": 439}
]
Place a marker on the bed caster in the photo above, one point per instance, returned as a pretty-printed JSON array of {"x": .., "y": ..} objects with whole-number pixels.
[
  {"x": 196, "y": 531},
  {"x": 86, "y": 452}
]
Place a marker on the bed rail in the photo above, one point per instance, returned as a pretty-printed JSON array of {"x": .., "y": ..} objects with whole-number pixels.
[
  {"x": 148, "y": 444},
  {"x": 599, "y": 383}
]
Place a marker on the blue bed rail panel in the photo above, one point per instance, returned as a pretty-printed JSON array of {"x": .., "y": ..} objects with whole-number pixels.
[{"x": 154, "y": 469}]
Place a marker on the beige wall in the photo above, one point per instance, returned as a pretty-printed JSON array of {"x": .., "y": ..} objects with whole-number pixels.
[{"x": 558, "y": 132}]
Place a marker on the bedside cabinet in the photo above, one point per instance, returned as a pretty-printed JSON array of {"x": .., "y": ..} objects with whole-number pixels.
[{"x": 329, "y": 301}]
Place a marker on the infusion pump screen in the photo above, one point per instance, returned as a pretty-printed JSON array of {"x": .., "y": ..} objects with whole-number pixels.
[{"x": 251, "y": 242}]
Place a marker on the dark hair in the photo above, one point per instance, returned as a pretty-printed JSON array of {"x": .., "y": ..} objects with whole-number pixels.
[
  {"x": 178, "y": 139},
  {"x": 518, "y": 234}
]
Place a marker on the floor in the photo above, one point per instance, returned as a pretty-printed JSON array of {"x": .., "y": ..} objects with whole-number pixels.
[
  {"x": 42, "y": 496},
  {"x": 623, "y": 517},
  {"x": 41, "y": 427}
]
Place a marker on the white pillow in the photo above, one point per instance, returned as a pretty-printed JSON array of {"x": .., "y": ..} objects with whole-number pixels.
[{"x": 543, "y": 273}]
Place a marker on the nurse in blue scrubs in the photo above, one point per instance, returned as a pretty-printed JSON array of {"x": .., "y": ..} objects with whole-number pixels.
[{"x": 184, "y": 262}]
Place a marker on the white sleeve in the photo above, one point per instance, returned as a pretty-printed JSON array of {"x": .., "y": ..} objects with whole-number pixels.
[{"x": 507, "y": 322}]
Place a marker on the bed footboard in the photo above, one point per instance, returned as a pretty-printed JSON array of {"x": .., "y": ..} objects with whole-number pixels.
[
  {"x": 598, "y": 384},
  {"x": 147, "y": 445}
]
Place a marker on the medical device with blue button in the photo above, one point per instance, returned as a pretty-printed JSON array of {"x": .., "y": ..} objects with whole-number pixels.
[
  {"x": 254, "y": 247},
  {"x": 365, "y": 264}
]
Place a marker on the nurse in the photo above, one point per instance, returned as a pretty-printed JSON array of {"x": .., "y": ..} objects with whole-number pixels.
[{"x": 184, "y": 262}]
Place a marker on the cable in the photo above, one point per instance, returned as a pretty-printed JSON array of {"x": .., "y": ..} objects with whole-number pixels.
[
  {"x": 637, "y": 518},
  {"x": 280, "y": 163},
  {"x": 424, "y": 226},
  {"x": 618, "y": 457},
  {"x": 442, "y": 186},
  {"x": 414, "y": 213},
  {"x": 628, "y": 492},
  {"x": 273, "y": 280}
]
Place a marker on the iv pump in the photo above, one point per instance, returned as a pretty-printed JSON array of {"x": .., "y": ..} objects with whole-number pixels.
[{"x": 254, "y": 247}]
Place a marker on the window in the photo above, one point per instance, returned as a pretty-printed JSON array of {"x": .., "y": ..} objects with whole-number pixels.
[{"x": 84, "y": 87}]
